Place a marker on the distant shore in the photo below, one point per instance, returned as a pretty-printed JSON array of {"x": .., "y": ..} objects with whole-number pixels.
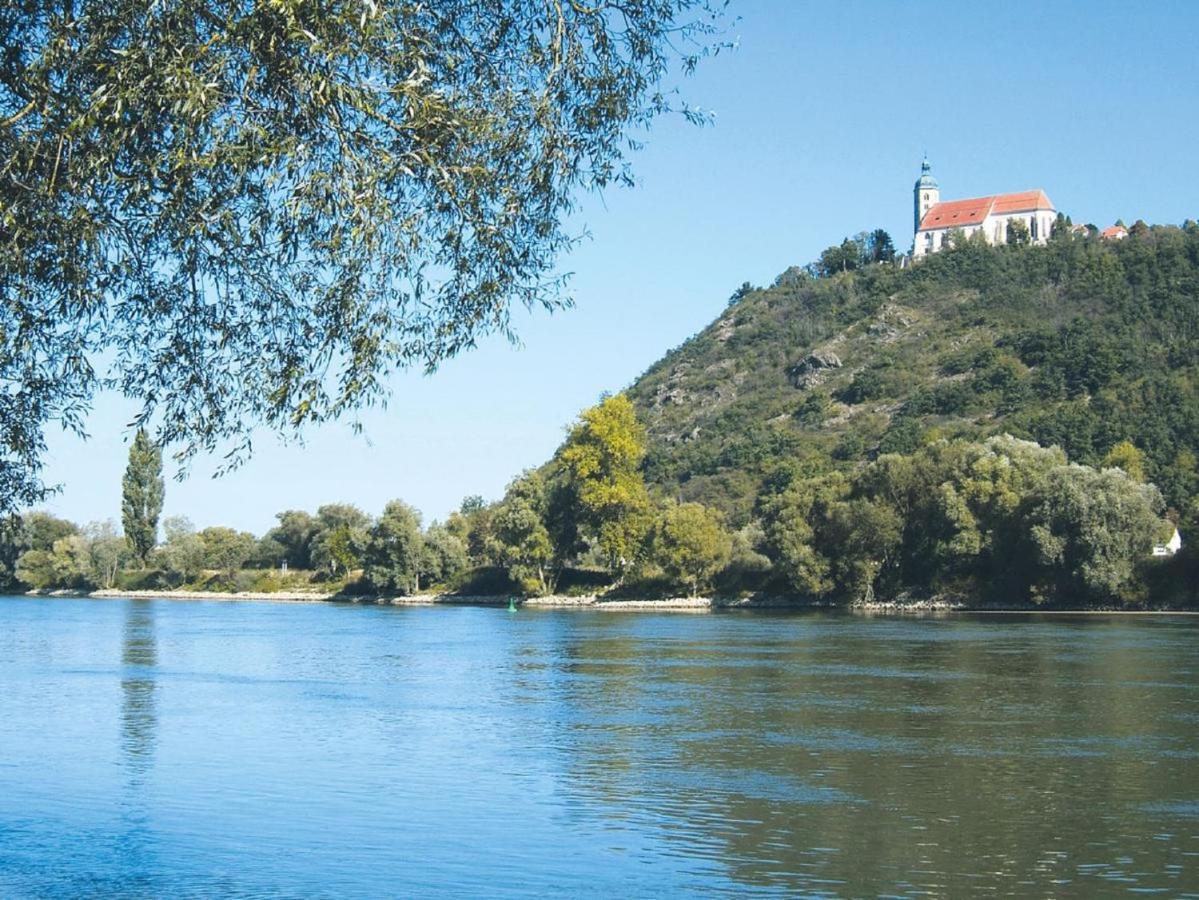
[{"x": 593, "y": 602}]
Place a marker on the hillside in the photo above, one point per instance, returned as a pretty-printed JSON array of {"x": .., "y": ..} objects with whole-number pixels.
[{"x": 1081, "y": 343}]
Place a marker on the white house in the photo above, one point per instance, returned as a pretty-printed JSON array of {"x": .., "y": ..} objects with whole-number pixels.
[
  {"x": 937, "y": 219},
  {"x": 1170, "y": 547}
]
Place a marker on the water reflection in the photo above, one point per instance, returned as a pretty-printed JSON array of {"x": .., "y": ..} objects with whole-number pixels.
[
  {"x": 139, "y": 702},
  {"x": 860, "y": 758},
  {"x": 211, "y": 749}
]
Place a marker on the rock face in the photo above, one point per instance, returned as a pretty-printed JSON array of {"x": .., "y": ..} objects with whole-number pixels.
[{"x": 806, "y": 370}]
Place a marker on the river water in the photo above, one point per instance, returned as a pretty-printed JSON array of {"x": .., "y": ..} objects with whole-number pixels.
[{"x": 194, "y": 749}]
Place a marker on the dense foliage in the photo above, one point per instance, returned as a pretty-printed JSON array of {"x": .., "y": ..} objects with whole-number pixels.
[
  {"x": 255, "y": 211},
  {"x": 1006, "y": 521},
  {"x": 1081, "y": 344}
]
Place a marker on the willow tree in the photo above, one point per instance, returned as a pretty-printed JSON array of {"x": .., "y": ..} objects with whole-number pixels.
[{"x": 254, "y": 211}]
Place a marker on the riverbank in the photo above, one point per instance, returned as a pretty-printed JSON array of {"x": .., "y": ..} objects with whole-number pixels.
[
  {"x": 554, "y": 601},
  {"x": 598, "y": 602}
]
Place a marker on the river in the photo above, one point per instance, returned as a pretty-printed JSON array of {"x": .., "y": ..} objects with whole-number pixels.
[{"x": 154, "y": 748}]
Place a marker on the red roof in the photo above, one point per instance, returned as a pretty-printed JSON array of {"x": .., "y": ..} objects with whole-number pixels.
[
  {"x": 1113, "y": 231},
  {"x": 956, "y": 213},
  {"x": 1025, "y": 201}
]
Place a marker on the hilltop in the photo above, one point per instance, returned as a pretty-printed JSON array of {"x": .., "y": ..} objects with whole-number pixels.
[
  {"x": 998, "y": 426},
  {"x": 1082, "y": 344}
]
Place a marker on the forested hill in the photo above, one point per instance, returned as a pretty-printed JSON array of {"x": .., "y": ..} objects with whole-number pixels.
[{"x": 1082, "y": 344}]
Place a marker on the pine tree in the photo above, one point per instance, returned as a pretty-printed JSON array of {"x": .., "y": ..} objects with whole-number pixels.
[{"x": 141, "y": 496}]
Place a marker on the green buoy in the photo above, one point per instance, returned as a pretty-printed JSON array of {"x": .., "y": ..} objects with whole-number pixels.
[{"x": 511, "y": 604}]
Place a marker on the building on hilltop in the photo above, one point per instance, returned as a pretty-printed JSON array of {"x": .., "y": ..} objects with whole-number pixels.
[{"x": 937, "y": 219}]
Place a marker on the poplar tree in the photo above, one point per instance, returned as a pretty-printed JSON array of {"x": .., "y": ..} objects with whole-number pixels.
[{"x": 141, "y": 495}]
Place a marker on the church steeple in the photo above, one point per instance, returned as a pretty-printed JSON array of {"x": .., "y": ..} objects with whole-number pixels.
[{"x": 926, "y": 194}]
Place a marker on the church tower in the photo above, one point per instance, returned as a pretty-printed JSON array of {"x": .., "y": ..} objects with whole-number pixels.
[{"x": 927, "y": 193}]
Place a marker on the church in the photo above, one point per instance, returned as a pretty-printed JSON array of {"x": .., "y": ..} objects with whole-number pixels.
[{"x": 936, "y": 219}]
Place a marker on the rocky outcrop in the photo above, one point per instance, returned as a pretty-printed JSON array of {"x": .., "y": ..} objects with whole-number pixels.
[{"x": 807, "y": 370}]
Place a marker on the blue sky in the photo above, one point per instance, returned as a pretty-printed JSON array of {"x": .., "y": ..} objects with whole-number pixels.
[{"x": 822, "y": 115}]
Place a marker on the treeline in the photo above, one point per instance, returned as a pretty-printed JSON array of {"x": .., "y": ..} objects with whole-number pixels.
[
  {"x": 1004, "y": 521},
  {"x": 339, "y": 548},
  {"x": 883, "y": 470}
]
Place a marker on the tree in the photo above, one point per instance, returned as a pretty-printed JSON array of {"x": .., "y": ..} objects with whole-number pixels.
[
  {"x": 226, "y": 549},
  {"x": 340, "y": 537},
  {"x": 107, "y": 552},
  {"x": 534, "y": 531},
  {"x": 1188, "y": 556},
  {"x": 880, "y": 246},
  {"x": 741, "y": 293},
  {"x": 1062, "y": 228},
  {"x": 866, "y": 535},
  {"x": 796, "y": 519},
  {"x": 257, "y": 210},
  {"x": 268, "y": 553},
  {"x": 443, "y": 556},
  {"x": 10, "y": 550},
  {"x": 472, "y": 524},
  {"x": 843, "y": 257},
  {"x": 601, "y": 462},
  {"x": 749, "y": 561},
  {"x": 64, "y": 565},
  {"x": 1125, "y": 455},
  {"x": 392, "y": 561},
  {"x": 691, "y": 544},
  {"x": 141, "y": 496},
  {"x": 1017, "y": 233},
  {"x": 815, "y": 408},
  {"x": 1089, "y": 531},
  {"x": 41, "y": 530},
  {"x": 522, "y": 541},
  {"x": 294, "y": 534},
  {"x": 34, "y": 531},
  {"x": 181, "y": 555}
]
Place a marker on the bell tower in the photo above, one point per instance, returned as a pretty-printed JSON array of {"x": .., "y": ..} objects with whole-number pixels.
[{"x": 927, "y": 193}]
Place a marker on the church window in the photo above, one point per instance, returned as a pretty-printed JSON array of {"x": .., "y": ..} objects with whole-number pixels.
[
  {"x": 926, "y": 198},
  {"x": 1032, "y": 227}
]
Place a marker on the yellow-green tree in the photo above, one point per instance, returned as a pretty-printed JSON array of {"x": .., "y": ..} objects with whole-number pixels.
[
  {"x": 691, "y": 544},
  {"x": 602, "y": 461},
  {"x": 1126, "y": 455}
]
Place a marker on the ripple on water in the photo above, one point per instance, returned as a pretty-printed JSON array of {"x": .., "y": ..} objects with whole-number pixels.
[{"x": 268, "y": 750}]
